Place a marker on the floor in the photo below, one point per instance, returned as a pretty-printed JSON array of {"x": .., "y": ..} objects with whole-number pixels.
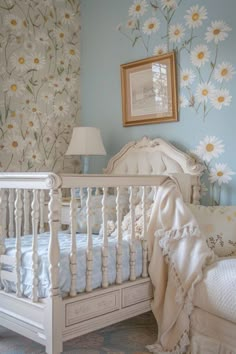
[{"x": 128, "y": 337}]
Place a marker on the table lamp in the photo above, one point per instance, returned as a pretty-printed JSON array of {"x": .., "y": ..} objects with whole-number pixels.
[{"x": 86, "y": 141}]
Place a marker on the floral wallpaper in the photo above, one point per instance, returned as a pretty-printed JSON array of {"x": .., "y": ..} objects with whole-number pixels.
[
  {"x": 197, "y": 40},
  {"x": 39, "y": 83}
]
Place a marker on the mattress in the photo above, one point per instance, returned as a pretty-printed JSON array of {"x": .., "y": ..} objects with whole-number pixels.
[
  {"x": 216, "y": 293},
  {"x": 64, "y": 270},
  {"x": 211, "y": 334}
]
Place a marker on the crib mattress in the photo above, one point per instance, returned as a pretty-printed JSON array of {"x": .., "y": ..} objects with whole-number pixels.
[{"x": 64, "y": 270}]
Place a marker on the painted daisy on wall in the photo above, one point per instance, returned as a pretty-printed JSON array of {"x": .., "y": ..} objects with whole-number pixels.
[
  {"x": 197, "y": 39},
  {"x": 208, "y": 150}
]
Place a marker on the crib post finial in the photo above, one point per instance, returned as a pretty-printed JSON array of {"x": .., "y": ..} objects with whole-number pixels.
[{"x": 2, "y": 236}]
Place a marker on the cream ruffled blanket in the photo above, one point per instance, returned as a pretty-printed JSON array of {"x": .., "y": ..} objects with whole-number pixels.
[{"x": 178, "y": 254}]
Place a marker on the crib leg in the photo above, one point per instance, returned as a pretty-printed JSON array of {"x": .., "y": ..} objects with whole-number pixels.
[{"x": 53, "y": 325}]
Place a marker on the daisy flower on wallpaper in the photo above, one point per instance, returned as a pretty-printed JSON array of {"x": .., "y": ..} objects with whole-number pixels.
[
  {"x": 176, "y": 33},
  {"x": 183, "y": 102},
  {"x": 169, "y": 4},
  {"x": 47, "y": 98},
  {"x": 36, "y": 61},
  {"x": 151, "y": 25},
  {"x": 224, "y": 72},
  {"x": 204, "y": 91},
  {"x": 131, "y": 23},
  {"x": 61, "y": 109},
  {"x": 218, "y": 31},
  {"x": 56, "y": 84},
  {"x": 221, "y": 173},
  {"x": 160, "y": 49},
  {"x": 208, "y": 148},
  {"x": 200, "y": 55},
  {"x": 14, "y": 87},
  {"x": 138, "y": 8},
  {"x": 221, "y": 98},
  {"x": 67, "y": 17},
  {"x": 72, "y": 53},
  {"x": 14, "y": 143},
  {"x": 34, "y": 156},
  {"x": 13, "y": 22},
  {"x": 187, "y": 77},
  {"x": 195, "y": 16},
  {"x": 19, "y": 61}
]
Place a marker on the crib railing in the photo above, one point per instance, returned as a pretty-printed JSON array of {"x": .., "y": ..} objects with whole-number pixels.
[{"x": 22, "y": 204}]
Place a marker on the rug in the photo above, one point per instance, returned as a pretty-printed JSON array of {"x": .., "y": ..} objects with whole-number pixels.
[{"x": 127, "y": 337}]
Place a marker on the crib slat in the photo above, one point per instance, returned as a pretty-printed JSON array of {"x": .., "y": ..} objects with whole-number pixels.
[
  {"x": 11, "y": 199},
  {"x": 41, "y": 206},
  {"x": 132, "y": 242},
  {"x": 105, "y": 241},
  {"x": 54, "y": 248},
  {"x": 18, "y": 221},
  {"x": 73, "y": 254},
  {"x": 26, "y": 212},
  {"x": 35, "y": 223},
  {"x": 4, "y": 214},
  {"x": 2, "y": 235},
  {"x": 144, "y": 236},
  {"x": 119, "y": 239},
  {"x": 89, "y": 244}
]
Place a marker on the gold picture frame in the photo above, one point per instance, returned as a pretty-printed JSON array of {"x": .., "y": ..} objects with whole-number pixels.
[{"x": 149, "y": 90}]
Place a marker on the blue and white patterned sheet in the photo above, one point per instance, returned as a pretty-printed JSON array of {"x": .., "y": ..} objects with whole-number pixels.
[{"x": 64, "y": 273}]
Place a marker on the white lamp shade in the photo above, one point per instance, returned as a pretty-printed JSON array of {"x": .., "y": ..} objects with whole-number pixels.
[{"x": 86, "y": 141}]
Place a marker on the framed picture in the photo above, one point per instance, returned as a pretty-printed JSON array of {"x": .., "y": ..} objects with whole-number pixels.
[{"x": 148, "y": 89}]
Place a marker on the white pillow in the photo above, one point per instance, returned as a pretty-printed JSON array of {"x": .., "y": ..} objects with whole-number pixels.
[
  {"x": 218, "y": 223},
  {"x": 96, "y": 212}
]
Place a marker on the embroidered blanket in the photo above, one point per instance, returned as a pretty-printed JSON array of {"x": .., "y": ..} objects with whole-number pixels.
[{"x": 178, "y": 254}]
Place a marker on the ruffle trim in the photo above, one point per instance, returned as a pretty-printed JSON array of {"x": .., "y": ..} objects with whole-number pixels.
[{"x": 182, "y": 297}]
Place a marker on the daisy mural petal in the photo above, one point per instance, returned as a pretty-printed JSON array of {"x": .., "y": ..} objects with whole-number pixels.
[
  {"x": 195, "y": 16},
  {"x": 168, "y": 4},
  {"x": 160, "y": 49},
  {"x": 221, "y": 173},
  {"x": 221, "y": 98},
  {"x": 138, "y": 8},
  {"x": 204, "y": 92},
  {"x": 200, "y": 55},
  {"x": 176, "y": 33},
  {"x": 183, "y": 102},
  {"x": 187, "y": 77},
  {"x": 224, "y": 72},
  {"x": 210, "y": 147},
  {"x": 218, "y": 31},
  {"x": 151, "y": 25}
]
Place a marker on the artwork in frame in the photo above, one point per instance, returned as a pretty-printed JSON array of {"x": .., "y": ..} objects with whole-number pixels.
[{"x": 149, "y": 90}]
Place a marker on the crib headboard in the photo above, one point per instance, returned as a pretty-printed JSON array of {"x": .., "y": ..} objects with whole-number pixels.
[{"x": 157, "y": 157}]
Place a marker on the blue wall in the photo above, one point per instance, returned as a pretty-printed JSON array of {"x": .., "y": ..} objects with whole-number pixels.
[{"x": 104, "y": 49}]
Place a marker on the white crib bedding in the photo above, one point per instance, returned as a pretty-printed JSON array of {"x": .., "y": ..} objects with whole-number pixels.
[{"x": 64, "y": 272}]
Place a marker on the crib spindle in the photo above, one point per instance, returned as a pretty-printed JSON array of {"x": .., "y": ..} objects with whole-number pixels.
[
  {"x": 119, "y": 239},
  {"x": 41, "y": 206},
  {"x": 11, "y": 199},
  {"x": 2, "y": 235},
  {"x": 4, "y": 212},
  {"x": 89, "y": 244},
  {"x": 35, "y": 223},
  {"x": 105, "y": 241},
  {"x": 18, "y": 221},
  {"x": 144, "y": 236},
  {"x": 54, "y": 248},
  {"x": 132, "y": 242},
  {"x": 73, "y": 254},
  {"x": 26, "y": 212}
]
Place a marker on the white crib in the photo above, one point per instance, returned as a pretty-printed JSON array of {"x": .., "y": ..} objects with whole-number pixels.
[{"x": 54, "y": 319}]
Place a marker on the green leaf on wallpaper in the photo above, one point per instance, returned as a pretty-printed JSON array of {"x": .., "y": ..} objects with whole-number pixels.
[
  {"x": 1, "y": 122},
  {"x": 33, "y": 82},
  {"x": 35, "y": 136},
  {"x": 60, "y": 70},
  {"x": 212, "y": 65},
  {"x": 29, "y": 89},
  {"x": 8, "y": 8}
]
